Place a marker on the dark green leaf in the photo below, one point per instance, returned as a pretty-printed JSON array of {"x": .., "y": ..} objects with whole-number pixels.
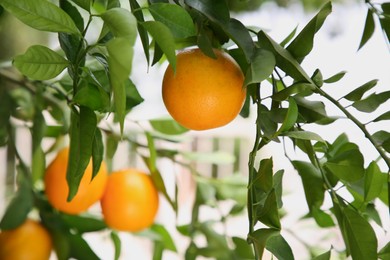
[
  {"x": 267, "y": 212},
  {"x": 261, "y": 67},
  {"x": 40, "y": 63},
  {"x": 302, "y": 45},
  {"x": 85, "y": 4},
  {"x": 38, "y": 130},
  {"x": 284, "y": 59},
  {"x": 19, "y": 207},
  {"x": 358, "y": 93},
  {"x": 385, "y": 24},
  {"x": 289, "y": 37},
  {"x": 216, "y": 10},
  {"x": 312, "y": 111},
  {"x": 167, "y": 126},
  {"x": 97, "y": 152},
  {"x": 80, "y": 248},
  {"x": 160, "y": 234},
  {"x": 335, "y": 77},
  {"x": 122, "y": 23},
  {"x": 164, "y": 38},
  {"x": 369, "y": 28},
  {"x": 84, "y": 223},
  {"x": 41, "y": 15},
  {"x": 73, "y": 13},
  {"x": 240, "y": 35},
  {"x": 386, "y": 8},
  {"x": 312, "y": 183},
  {"x": 384, "y": 116},
  {"x": 82, "y": 134},
  {"x": 381, "y": 137},
  {"x": 175, "y": 18},
  {"x": 117, "y": 244},
  {"x": 317, "y": 78},
  {"x": 372, "y": 102},
  {"x": 143, "y": 34}
]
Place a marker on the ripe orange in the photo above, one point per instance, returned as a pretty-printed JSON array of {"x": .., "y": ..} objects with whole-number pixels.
[
  {"x": 56, "y": 187},
  {"x": 130, "y": 201},
  {"x": 204, "y": 93},
  {"x": 28, "y": 241}
]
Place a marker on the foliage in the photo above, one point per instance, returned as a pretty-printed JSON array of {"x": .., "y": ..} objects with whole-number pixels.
[{"x": 78, "y": 90}]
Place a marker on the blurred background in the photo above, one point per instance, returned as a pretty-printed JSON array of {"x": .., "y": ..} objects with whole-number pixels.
[{"x": 335, "y": 50}]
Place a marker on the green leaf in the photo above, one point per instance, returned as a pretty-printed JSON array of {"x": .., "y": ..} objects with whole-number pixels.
[
  {"x": 324, "y": 256},
  {"x": 80, "y": 248},
  {"x": 260, "y": 238},
  {"x": 384, "y": 253},
  {"x": 19, "y": 207},
  {"x": 284, "y": 59},
  {"x": 175, "y": 18},
  {"x": 369, "y": 28},
  {"x": 261, "y": 67},
  {"x": 143, "y": 34},
  {"x": 160, "y": 234},
  {"x": 242, "y": 249},
  {"x": 93, "y": 97},
  {"x": 117, "y": 244},
  {"x": 385, "y": 24},
  {"x": 85, "y": 4},
  {"x": 216, "y": 11},
  {"x": 168, "y": 126},
  {"x": 373, "y": 182},
  {"x": 291, "y": 117},
  {"x": 313, "y": 184},
  {"x": 84, "y": 223},
  {"x": 295, "y": 88},
  {"x": 372, "y": 102},
  {"x": 41, "y": 15},
  {"x": 289, "y": 37},
  {"x": 73, "y": 13},
  {"x": 82, "y": 134},
  {"x": 120, "y": 59},
  {"x": 358, "y": 93},
  {"x": 240, "y": 35},
  {"x": 302, "y": 45},
  {"x": 304, "y": 135},
  {"x": 384, "y": 116},
  {"x": 279, "y": 247},
  {"x": 122, "y": 23},
  {"x": 360, "y": 235},
  {"x": 40, "y": 63},
  {"x": 317, "y": 78},
  {"x": 336, "y": 77},
  {"x": 164, "y": 38},
  {"x": 322, "y": 219},
  {"x": 133, "y": 97},
  {"x": 97, "y": 152},
  {"x": 347, "y": 165},
  {"x": 267, "y": 212},
  {"x": 312, "y": 111}
]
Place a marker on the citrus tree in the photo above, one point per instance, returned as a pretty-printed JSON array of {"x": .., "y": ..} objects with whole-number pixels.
[{"x": 83, "y": 91}]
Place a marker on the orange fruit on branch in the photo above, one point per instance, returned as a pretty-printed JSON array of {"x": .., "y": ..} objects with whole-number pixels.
[
  {"x": 130, "y": 201},
  {"x": 29, "y": 241},
  {"x": 203, "y": 93},
  {"x": 56, "y": 186}
]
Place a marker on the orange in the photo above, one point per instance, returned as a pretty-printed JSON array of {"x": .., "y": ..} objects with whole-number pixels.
[
  {"x": 56, "y": 186},
  {"x": 203, "y": 93},
  {"x": 29, "y": 241},
  {"x": 131, "y": 201}
]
